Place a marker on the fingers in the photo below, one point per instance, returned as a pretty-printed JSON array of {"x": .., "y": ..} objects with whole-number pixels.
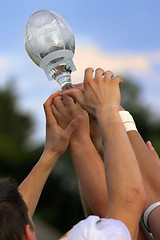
[
  {"x": 48, "y": 106},
  {"x": 69, "y": 102},
  {"x": 57, "y": 107},
  {"x": 153, "y": 151},
  {"x": 118, "y": 80},
  {"x": 79, "y": 86},
  {"x": 88, "y": 76},
  {"x": 75, "y": 94},
  {"x": 88, "y": 72},
  {"x": 108, "y": 75},
  {"x": 99, "y": 73}
]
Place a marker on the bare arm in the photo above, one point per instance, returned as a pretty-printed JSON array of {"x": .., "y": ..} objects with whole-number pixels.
[
  {"x": 57, "y": 140},
  {"x": 150, "y": 170},
  {"x": 96, "y": 139},
  {"x": 149, "y": 164},
  {"x": 124, "y": 182},
  {"x": 90, "y": 170},
  {"x": 87, "y": 163}
]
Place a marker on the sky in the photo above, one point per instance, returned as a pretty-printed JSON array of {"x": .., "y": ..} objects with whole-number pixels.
[{"x": 122, "y": 36}]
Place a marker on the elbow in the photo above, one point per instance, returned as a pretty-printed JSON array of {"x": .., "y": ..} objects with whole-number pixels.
[{"x": 136, "y": 198}]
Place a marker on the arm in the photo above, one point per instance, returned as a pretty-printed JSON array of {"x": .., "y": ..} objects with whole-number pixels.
[
  {"x": 153, "y": 152},
  {"x": 90, "y": 170},
  {"x": 102, "y": 99},
  {"x": 150, "y": 169},
  {"x": 57, "y": 140},
  {"x": 96, "y": 139},
  {"x": 87, "y": 163}
]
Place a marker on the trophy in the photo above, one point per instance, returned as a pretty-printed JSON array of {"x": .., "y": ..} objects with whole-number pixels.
[{"x": 50, "y": 44}]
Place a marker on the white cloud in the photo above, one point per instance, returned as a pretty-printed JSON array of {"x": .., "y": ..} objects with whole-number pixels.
[
  {"x": 3, "y": 61},
  {"x": 127, "y": 63}
]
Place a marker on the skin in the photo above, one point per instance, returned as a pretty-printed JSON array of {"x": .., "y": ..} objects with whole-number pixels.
[
  {"x": 57, "y": 140},
  {"x": 101, "y": 99},
  {"x": 147, "y": 160},
  {"x": 50, "y": 151},
  {"x": 64, "y": 110}
]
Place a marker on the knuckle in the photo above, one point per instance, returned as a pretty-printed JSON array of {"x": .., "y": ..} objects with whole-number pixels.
[
  {"x": 89, "y": 69},
  {"x": 99, "y": 69},
  {"x": 109, "y": 72},
  {"x": 57, "y": 99},
  {"x": 118, "y": 79}
]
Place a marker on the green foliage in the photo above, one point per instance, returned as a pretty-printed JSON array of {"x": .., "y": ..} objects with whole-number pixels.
[
  {"x": 147, "y": 123},
  {"x": 15, "y": 127}
]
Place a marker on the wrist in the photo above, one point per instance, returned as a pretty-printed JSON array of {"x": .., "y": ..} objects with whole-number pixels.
[
  {"x": 108, "y": 114},
  {"x": 80, "y": 136},
  {"x": 49, "y": 157},
  {"x": 79, "y": 142}
]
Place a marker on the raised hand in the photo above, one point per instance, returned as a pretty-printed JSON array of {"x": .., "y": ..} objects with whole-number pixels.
[
  {"x": 65, "y": 109},
  {"x": 99, "y": 91},
  {"x": 57, "y": 137}
]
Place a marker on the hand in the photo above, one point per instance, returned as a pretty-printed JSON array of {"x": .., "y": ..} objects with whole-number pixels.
[
  {"x": 65, "y": 109},
  {"x": 153, "y": 152},
  {"x": 95, "y": 133},
  {"x": 79, "y": 86},
  {"x": 57, "y": 138},
  {"x": 99, "y": 92}
]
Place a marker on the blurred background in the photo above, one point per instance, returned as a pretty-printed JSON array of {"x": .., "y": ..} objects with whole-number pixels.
[{"x": 122, "y": 36}]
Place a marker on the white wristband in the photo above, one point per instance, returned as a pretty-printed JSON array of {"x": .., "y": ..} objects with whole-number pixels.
[
  {"x": 147, "y": 213},
  {"x": 128, "y": 121}
]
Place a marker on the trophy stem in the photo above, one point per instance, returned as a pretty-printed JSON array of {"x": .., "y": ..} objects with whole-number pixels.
[
  {"x": 64, "y": 80},
  {"x": 61, "y": 74}
]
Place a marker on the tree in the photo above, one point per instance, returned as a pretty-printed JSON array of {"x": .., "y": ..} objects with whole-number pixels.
[
  {"x": 148, "y": 124},
  {"x": 15, "y": 128}
]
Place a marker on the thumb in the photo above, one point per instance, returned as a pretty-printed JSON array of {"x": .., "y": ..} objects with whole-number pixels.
[{"x": 72, "y": 126}]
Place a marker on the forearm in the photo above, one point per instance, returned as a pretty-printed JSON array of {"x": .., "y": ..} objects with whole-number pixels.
[
  {"x": 119, "y": 157},
  {"x": 95, "y": 135},
  {"x": 86, "y": 208},
  {"x": 91, "y": 174},
  {"x": 145, "y": 161},
  {"x": 150, "y": 171},
  {"x": 99, "y": 147},
  {"x": 33, "y": 184}
]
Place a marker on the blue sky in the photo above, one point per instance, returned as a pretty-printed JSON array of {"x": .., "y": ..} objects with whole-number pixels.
[{"x": 123, "y": 36}]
